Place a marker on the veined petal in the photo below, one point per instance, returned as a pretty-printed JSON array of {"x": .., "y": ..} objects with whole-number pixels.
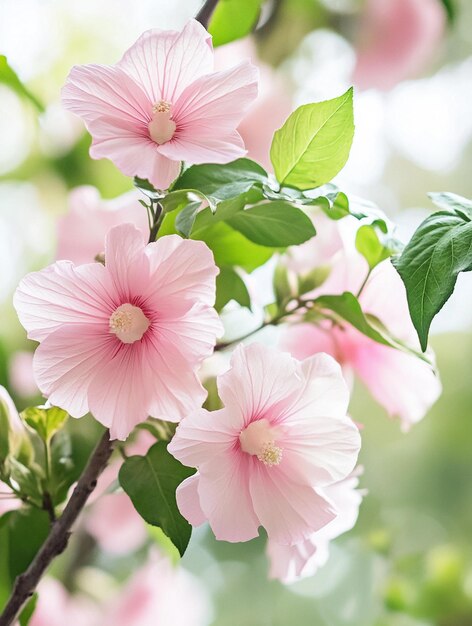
[
  {"x": 290, "y": 512},
  {"x": 66, "y": 362},
  {"x": 126, "y": 261},
  {"x": 225, "y": 499},
  {"x": 203, "y": 146},
  {"x": 268, "y": 377},
  {"x": 165, "y": 62},
  {"x": 63, "y": 294},
  {"x": 96, "y": 91},
  {"x": 217, "y": 100}
]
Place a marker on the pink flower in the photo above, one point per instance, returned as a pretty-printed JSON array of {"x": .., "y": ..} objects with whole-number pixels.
[
  {"x": 163, "y": 104},
  {"x": 56, "y": 606},
  {"x": 397, "y": 39},
  {"x": 82, "y": 230},
  {"x": 21, "y": 374},
  {"x": 159, "y": 594},
  {"x": 282, "y": 435},
  {"x": 124, "y": 340},
  {"x": 402, "y": 383},
  {"x": 289, "y": 563}
]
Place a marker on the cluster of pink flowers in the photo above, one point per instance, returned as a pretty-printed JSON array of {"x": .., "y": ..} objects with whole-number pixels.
[{"x": 125, "y": 339}]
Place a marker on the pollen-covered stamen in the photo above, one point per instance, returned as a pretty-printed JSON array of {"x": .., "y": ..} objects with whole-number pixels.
[
  {"x": 129, "y": 323},
  {"x": 258, "y": 439},
  {"x": 161, "y": 127}
]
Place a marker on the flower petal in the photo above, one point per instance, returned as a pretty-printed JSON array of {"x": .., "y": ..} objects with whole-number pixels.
[
  {"x": 267, "y": 376},
  {"x": 62, "y": 294},
  {"x": 165, "y": 62},
  {"x": 181, "y": 269},
  {"x": 225, "y": 498},
  {"x": 188, "y": 500},
  {"x": 201, "y": 436},
  {"x": 290, "y": 512},
  {"x": 96, "y": 91},
  {"x": 126, "y": 261},
  {"x": 203, "y": 146},
  {"x": 68, "y": 360}
]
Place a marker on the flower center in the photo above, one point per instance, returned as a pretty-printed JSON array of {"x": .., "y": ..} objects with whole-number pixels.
[
  {"x": 258, "y": 440},
  {"x": 129, "y": 323},
  {"x": 161, "y": 127}
]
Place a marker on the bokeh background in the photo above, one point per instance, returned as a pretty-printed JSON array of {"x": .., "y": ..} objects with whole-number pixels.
[{"x": 408, "y": 562}]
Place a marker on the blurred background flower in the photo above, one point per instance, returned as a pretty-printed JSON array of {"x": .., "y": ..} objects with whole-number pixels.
[{"x": 408, "y": 560}]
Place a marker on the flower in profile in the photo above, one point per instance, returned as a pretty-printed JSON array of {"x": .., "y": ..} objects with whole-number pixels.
[
  {"x": 282, "y": 435},
  {"x": 163, "y": 104},
  {"x": 124, "y": 340},
  {"x": 290, "y": 563},
  {"x": 82, "y": 230},
  {"x": 403, "y": 384}
]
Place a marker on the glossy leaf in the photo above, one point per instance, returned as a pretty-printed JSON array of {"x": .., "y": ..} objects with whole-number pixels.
[
  {"x": 274, "y": 224},
  {"x": 314, "y": 143},
  {"x": 223, "y": 181},
  {"x": 151, "y": 482},
  {"x": 439, "y": 250}
]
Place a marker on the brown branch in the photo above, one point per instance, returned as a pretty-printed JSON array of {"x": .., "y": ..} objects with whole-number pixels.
[
  {"x": 58, "y": 538},
  {"x": 205, "y": 13}
]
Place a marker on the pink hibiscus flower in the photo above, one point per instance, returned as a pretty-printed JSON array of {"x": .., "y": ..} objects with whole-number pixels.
[
  {"x": 124, "y": 340},
  {"x": 163, "y": 104},
  {"x": 402, "y": 383},
  {"x": 290, "y": 563},
  {"x": 282, "y": 435},
  {"x": 81, "y": 231}
]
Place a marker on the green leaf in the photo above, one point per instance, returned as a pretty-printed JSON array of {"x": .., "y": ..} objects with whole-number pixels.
[
  {"x": 450, "y": 8},
  {"x": 230, "y": 286},
  {"x": 223, "y": 181},
  {"x": 374, "y": 247},
  {"x": 440, "y": 248},
  {"x": 151, "y": 482},
  {"x": 186, "y": 218},
  {"x": 231, "y": 248},
  {"x": 314, "y": 143},
  {"x": 9, "y": 77},
  {"x": 233, "y": 19},
  {"x": 452, "y": 202},
  {"x": 274, "y": 224},
  {"x": 45, "y": 421},
  {"x": 346, "y": 307},
  {"x": 148, "y": 188}
]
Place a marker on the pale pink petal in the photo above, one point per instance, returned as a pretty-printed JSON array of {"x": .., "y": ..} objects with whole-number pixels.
[
  {"x": 126, "y": 261},
  {"x": 165, "y": 62},
  {"x": 176, "y": 389},
  {"x": 97, "y": 91},
  {"x": 289, "y": 511},
  {"x": 188, "y": 501},
  {"x": 181, "y": 268},
  {"x": 201, "y": 436},
  {"x": 201, "y": 145},
  {"x": 303, "y": 340},
  {"x": 406, "y": 386},
  {"x": 63, "y": 294},
  {"x": 68, "y": 360},
  {"x": 286, "y": 563},
  {"x": 268, "y": 377},
  {"x": 121, "y": 391},
  {"x": 133, "y": 154},
  {"x": 225, "y": 499}
]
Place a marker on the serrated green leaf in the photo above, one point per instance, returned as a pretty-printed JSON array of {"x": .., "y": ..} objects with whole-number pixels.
[
  {"x": 314, "y": 143},
  {"x": 439, "y": 250},
  {"x": 233, "y": 19},
  {"x": 230, "y": 286},
  {"x": 274, "y": 224},
  {"x": 10, "y": 78},
  {"x": 151, "y": 482},
  {"x": 45, "y": 421},
  {"x": 223, "y": 181}
]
